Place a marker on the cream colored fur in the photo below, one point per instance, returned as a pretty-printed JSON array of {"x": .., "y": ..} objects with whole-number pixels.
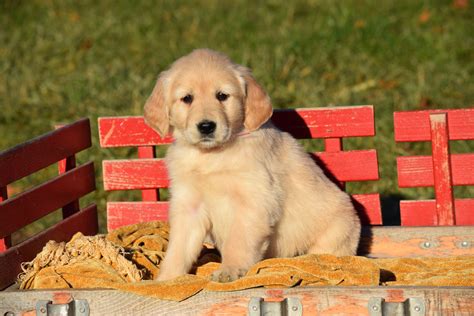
[{"x": 250, "y": 187}]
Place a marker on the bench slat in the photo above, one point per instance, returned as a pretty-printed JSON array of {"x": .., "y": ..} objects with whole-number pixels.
[
  {"x": 347, "y": 166},
  {"x": 128, "y": 213},
  {"x": 334, "y": 122},
  {"x": 84, "y": 221},
  {"x": 415, "y": 125},
  {"x": 368, "y": 207},
  {"x": 417, "y": 171},
  {"x": 17, "y": 162},
  {"x": 39, "y": 201},
  {"x": 423, "y": 212},
  {"x": 139, "y": 174},
  {"x": 301, "y": 123},
  {"x": 134, "y": 174}
]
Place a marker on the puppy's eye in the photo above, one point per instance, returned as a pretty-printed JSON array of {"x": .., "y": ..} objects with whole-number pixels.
[
  {"x": 221, "y": 96},
  {"x": 188, "y": 99}
]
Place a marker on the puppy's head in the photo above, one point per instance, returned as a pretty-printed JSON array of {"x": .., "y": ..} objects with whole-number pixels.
[{"x": 206, "y": 100}]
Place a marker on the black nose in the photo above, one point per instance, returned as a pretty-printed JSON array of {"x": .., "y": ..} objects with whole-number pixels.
[{"x": 206, "y": 127}]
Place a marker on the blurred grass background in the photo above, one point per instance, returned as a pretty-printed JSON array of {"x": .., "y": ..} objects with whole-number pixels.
[{"x": 63, "y": 60}]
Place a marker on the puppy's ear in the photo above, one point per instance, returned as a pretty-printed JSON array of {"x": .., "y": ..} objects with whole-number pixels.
[
  {"x": 258, "y": 107},
  {"x": 155, "y": 110}
]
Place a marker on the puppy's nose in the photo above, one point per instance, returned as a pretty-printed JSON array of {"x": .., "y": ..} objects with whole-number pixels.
[{"x": 206, "y": 127}]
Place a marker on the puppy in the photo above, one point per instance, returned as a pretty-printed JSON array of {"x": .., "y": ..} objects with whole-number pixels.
[{"x": 237, "y": 179}]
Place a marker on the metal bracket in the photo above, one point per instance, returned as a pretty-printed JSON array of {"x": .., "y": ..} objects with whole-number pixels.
[
  {"x": 413, "y": 306},
  {"x": 73, "y": 308},
  {"x": 290, "y": 306}
]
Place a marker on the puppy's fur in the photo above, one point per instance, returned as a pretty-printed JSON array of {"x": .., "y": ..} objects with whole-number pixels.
[{"x": 248, "y": 186}]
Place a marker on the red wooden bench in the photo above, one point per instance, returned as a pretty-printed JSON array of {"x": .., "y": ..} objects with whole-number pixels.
[
  {"x": 148, "y": 174},
  {"x": 442, "y": 170}
]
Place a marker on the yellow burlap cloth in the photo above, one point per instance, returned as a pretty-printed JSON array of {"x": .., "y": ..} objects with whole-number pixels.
[{"x": 128, "y": 258}]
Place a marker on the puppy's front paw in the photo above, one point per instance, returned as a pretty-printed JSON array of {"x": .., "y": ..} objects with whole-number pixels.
[{"x": 227, "y": 274}]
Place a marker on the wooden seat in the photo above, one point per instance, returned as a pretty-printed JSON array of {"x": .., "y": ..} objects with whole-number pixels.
[
  {"x": 149, "y": 174},
  {"x": 442, "y": 170}
]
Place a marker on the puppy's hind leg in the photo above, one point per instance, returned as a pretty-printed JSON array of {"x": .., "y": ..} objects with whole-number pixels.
[
  {"x": 187, "y": 234},
  {"x": 340, "y": 239}
]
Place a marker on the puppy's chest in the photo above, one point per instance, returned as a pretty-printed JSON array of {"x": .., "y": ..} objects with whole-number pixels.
[{"x": 216, "y": 175}]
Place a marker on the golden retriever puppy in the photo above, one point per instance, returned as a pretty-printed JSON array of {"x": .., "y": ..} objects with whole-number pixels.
[{"x": 235, "y": 178}]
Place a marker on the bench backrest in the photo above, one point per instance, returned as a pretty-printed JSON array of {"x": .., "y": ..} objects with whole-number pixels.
[
  {"x": 442, "y": 170},
  {"x": 63, "y": 191},
  {"x": 149, "y": 174}
]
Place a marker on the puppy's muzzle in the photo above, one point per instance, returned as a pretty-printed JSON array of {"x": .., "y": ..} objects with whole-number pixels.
[{"x": 206, "y": 127}]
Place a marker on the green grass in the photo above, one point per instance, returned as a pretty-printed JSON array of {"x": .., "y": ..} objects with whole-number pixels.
[{"x": 62, "y": 60}]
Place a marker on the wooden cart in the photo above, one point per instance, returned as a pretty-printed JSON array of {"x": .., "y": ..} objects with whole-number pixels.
[{"x": 437, "y": 227}]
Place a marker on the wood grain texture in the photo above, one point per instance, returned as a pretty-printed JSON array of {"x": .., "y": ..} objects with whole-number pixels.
[
  {"x": 139, "y": 174},
  {"x": 301, "y": 123},
  {"x": 415, "y": 125},
  {"x": 84, "y": 221},
  {"x": 39, "y": 201},
  {"x": 443, "y": 183},
  {"x": 315, "y": 300},
  {"x": 417, "y": 171},
  {"x": 346, "y": 166},
  {"x": 128, "y": 213},
  {"x": 396, "y": 241},
  {"x": 326, "y": 122},
  {"x": 134, "y": 174},
  {"x": 423, "y": 212},
  {"x": 46, "y": 150}
]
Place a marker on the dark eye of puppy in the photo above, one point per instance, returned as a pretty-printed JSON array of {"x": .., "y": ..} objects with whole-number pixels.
[
  {"x": 188, "y": 99},
  {"x": 221, "y": 96}
]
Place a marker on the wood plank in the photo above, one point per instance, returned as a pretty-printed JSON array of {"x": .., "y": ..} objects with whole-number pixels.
[
  {"x": 139, "y": 174},
  {"x": 5, "y": 242},
  {"x": 423, "y": 212},
  {"x": 84, "y": 221},
  {"x": 397, "y": 241},
  {"x": 127, "y": 213},
  {"x": 152, "y": 194},
  {"x": 17, "y": 162},
  {"x": 417, "y": 171},
  {"x": 134, "y": 174},
  {"x": 442, "y": 170},
  {"x": 326, "y": 122},
  {"x": 345, "y": 166},
  {"x": 302, "y": 123},
  {"x": 128, "y": 131},
  {"x": 63, "y": 166},
  {"x": 39, "y": 201},
  {"x": 368, "y": 208},
  {"x": 333, "y": 144},
  {"x": 323, "y": 300},
  {"x": 415, "y": 125}
]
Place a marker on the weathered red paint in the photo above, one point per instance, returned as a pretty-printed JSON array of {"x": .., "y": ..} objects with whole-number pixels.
[
  {"x": 423, "y": 212},
  {"x": 149, "y": 175},
  {"x": 411, "y": 126},
  {"x": 442, "y": 170}
]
